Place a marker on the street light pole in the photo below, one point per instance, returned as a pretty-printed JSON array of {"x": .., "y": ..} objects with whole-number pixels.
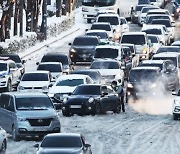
[
  {"x": 21, "y": 17},
  {"x": 44, "y": 18}
]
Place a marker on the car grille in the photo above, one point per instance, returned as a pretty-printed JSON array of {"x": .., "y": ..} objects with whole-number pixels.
[
  {"x": 32, "y": 87},
  {"x": 40, "y": 122}
]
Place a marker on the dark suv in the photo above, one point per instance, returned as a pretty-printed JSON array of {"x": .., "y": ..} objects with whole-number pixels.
[{"x": 82, "y": 48}]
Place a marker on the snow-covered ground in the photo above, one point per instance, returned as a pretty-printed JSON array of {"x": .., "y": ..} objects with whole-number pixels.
[{"x": 145, "y": 128}]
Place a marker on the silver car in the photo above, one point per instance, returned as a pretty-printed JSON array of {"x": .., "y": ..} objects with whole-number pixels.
[{"x": 28, "y": 114}]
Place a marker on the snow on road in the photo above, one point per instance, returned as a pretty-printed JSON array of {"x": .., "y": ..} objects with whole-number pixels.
[{"x": 145, "y": 128}]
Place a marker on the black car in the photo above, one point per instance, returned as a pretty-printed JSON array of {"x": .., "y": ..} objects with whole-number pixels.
[
  {"x": 168, "y": 70},
  {"x": 168, "y": 49},
  {"x": 19, "y": 62},
  {"x": 95, "y": 75},
  {"x": 91, "y": 99},
  {"x": 82, "y": 48},
  {"x": 58, "y": 57},
  {"x": 63, "y": 143},
  {"x": 145, "y": 82}
]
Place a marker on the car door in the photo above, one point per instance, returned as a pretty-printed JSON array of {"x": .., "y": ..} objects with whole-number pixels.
[
  {"x": 14, "y": 71},
  {"x": 3, "y": 101}
]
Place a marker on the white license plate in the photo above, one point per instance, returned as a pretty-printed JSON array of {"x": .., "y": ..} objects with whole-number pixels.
[
  {"x": 75, "y": 106},
  {"x": 40, "y": 129}
]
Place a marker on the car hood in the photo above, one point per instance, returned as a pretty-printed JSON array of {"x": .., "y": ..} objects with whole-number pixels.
[
  {"x": 33, "y": 83},
  {"x": 2, "y": 73},
  {"x": 61, "y": 89},
  {"x": 106, "y": 72},
  {"x": 46, "y": 113},
  {"x": 59, "y": 150}
]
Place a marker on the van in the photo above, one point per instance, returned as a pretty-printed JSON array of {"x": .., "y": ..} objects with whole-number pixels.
[{"x": 28, "y": 114}]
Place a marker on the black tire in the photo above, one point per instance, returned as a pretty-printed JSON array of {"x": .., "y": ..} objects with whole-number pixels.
[
  {"x": 15, "y": 137},
  {"x": 3, "y": 147},
  {"x": 175, "y": 117},
  {"x": 88, "y": 21},
  {"x": 98, "y": 108},
  {"x": 9, "y": 86},
  {"x": 118, "y": 109},
  {"x": 66, "y": 114}
]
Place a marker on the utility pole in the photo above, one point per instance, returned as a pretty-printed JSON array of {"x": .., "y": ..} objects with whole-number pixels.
[
  {"x": 44, "y": 18},
  {"x": 21, "y": 17},
  {"x": 58, "y": 8}
]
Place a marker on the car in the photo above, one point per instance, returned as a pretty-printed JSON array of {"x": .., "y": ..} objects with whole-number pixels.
[
  {"x": 16, "y": 58},
  {"x": 157, "y": 3},
  {"x": 176, "y": 105},
  {"x": 142, "y": 16},
  {"x": 10, "y": 74},
  {"x": 140, "y": 40},
  {"x": 119, "y": 24},
  {"x": 55, "y": 68},
  {"x": 35, "y": 81},
  {"x": 109, "y": 69},
  {"x": 145, "y": 82},
  {"x": 95, "y": 75},
  {"x": 28, "y": 114},
  {"x": 175, "y": 57},
  {"x": 158, "y": 11},
  {"x": 156, "y": 44},
  {"x": 144, "y": 2},
  {"x": 135, "y": 13},
  {"x": 3, "y": 140},
  {"x": 176, "y": 43},
  {"x": 104, "y": 26},
  {"x": 65, "y": 85},
  {"x": 91, "y": 99},
  {"x": 168, "y": 70},
  {"x": 82, "y": 48},
  {"x": 58, "y": 57},
  {"x": 168, "y": 49},
  {"x": 159, "y": 30},
  {"x": 169, "y": 26},
  {"x": 101, "y": 34},
  {"x": 63, "y": 143}
]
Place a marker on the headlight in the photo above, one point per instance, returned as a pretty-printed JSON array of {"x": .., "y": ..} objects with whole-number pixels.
[
  {"x": 21, "y": 88},
  {"x": 65, "y": 99},
  {"x": 72, "y": 50},
  {"x": 21, "y": 119},
  {"x": 91, "y": 100},
  {"x": 130, "y": 85},
  {"x": 51, "y": 95},
  {"x": 44, "y": 87},
  {"x": 176, "y": 102},
  {"x": 145, "y": 50}
]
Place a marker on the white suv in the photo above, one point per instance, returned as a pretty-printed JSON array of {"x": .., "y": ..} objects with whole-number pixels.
[{"x": 9, "y": 74}]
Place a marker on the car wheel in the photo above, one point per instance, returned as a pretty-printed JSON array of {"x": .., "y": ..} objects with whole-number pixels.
[
  {"x": 175, "y": 117},
  {"x": 118, "y": 109},
  {"x": 98, "y": 108},
  {"x": 65, "y": 113},
  {"x": 88, "y": 21},
  {"x": 3, "y": 147},
  {"x": 9, "y": 86},
  {"x": 14, "y": 135}
]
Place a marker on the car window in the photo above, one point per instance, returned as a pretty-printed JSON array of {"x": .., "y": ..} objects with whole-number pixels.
[
  {"x": 133, "y": 39},
  {"x": 85, "y": 41},
  {"x": 50, "y": 67},
  {"x": 87, "y": 90},
  {"x": 106, "y": 53},
  {"x": 112, "y": 20},
  {"x": 88, "y": 81},
  {"x": 102, "y": 27},
  {"x": 70, "y": 82},
  {"x": 3, "y": 67},
  {"x": 105, "y": 65},
  {"x": 35, "y": 77}
]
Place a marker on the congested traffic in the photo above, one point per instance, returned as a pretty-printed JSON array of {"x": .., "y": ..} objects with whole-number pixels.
[{"x": 122, "y": 67}]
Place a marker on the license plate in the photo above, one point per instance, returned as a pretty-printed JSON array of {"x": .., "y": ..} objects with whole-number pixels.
[
  {"x": 75, "y": 106},
  {"x": 40, "y": 129}
]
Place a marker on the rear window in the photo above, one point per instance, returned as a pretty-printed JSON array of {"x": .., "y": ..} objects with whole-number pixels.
[
  {"x": 153, "y": 31},
  {"x": 111, "y": 20},
  {"x": 101, "y": 26},
  {"x": 133, "y": 39},
  {"x": 100, "y": 35},
  {"x": 85, "y": 41},
  {"x": 173, "y": 59},
  {"x": 70, "y": 82},
  {"x": 105, "y": 65},
  {"x": 106, "y": 53},
  {"x": 50, "y": 67},
  {"x": 56, "y": 58},
  {"x": 35, "y": 77}
]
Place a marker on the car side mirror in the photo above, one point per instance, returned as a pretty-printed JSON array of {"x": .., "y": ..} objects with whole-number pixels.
[
  {"x": 23, "y": 61},
  {"x": 36, "y": 145},
  {"x": 87, "y": 145},
  {"x": 50, "y": 85}
]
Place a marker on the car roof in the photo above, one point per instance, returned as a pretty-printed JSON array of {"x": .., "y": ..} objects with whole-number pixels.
[
  {"x": 49, "y": 63},
  {"x": 167, "y": 54},
  {"x": 86, "y": 36},
  {"x": 127, "y": 44},
  {"x": 158, "y": 10},
  {"x": 101, "y": 23},
  {"x": 108, "y": 15},
  {"x": 63, "y": 135},
  {"x": 96, "y": 31},
  {"x": 106, "y": 60},
  {"x": 158, "y": 26},
  {"x": 20, "y": 94},
  {"x": 85, "y": 70},
  {"x": 146, "y": 68},
  {"x": 37, "y": 71},
  {"x": 134, "y": 33},
  {"x": 55, "y": 54},
  {"x": 154, "y": 61},
  {"x": 166, "y": 47},
  {"x": 149, "y": 15},
  {"x": 108, "y": 46}
]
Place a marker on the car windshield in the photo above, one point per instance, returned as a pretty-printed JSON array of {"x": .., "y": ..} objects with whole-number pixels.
[
  {"x": 153, "y": 39},
  {"x": 167, "y": 23},
  {"x": 146, "y": 9},
  {"x": 101, "y": 27},
  {"x": 98, "y": 34},
  {"x": 35, "y": 77},
  {"x": 33, "y": 103},
  {"x": 3, "y": 67},
  {"x": 61, "y": 142},
  {"x": 133, "y": 39},
  {"x": 87, "y": 90},
  {"x": 153, "y": 31},
  {"x": 105, "y": 65},
  {"x": 160, "y": 50},
  {"x": 112, "y": 20},
  {"x": 143, "y": 75},
  {"x": 106, "y": 53},
  {"x": 173, "y": 59},
  {"x": 70, "y": 82},
  {"x": 56, "y": 58},
  {"x": 50, "y": 67},
  {"x": 152, "y": 64},
  {"x": 85, "y": 41}
]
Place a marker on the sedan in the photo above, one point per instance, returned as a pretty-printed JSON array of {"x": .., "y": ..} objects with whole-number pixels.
[
  {"x": 3, "y": 140},
  {"x": 64, "y": 143},
  {"x": 91, "y": 99}
]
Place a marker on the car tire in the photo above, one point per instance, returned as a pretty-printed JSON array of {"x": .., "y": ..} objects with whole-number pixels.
[
  {"x": 9, "y": 86},
  {"x": 65, "y": 113},
  {"x": 118, "y": 109},
  {"x": 88, "y": 21},
  {"x": 3, "y": 147},
  {"x": 14, "y": 135},
  {"x": 98, "y": 108},
  {"x": 175, "y": 117}
]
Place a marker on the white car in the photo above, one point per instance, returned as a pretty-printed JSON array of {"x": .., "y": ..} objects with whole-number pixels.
[
  {"x": 3, "y": 141},
  {"x": 66, "y": 84},
  {"x": 159, "y": 30},
  {"x": 35, "y": 81},
  {"x": 176, "y": 105},
  {"x": 55, "y": 68},
  {"x": 109, "y": 69},
  {"x": 119, "y": 24}
]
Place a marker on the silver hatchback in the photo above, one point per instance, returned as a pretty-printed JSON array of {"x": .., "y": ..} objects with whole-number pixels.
[{"x": 28, "y": 114}]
